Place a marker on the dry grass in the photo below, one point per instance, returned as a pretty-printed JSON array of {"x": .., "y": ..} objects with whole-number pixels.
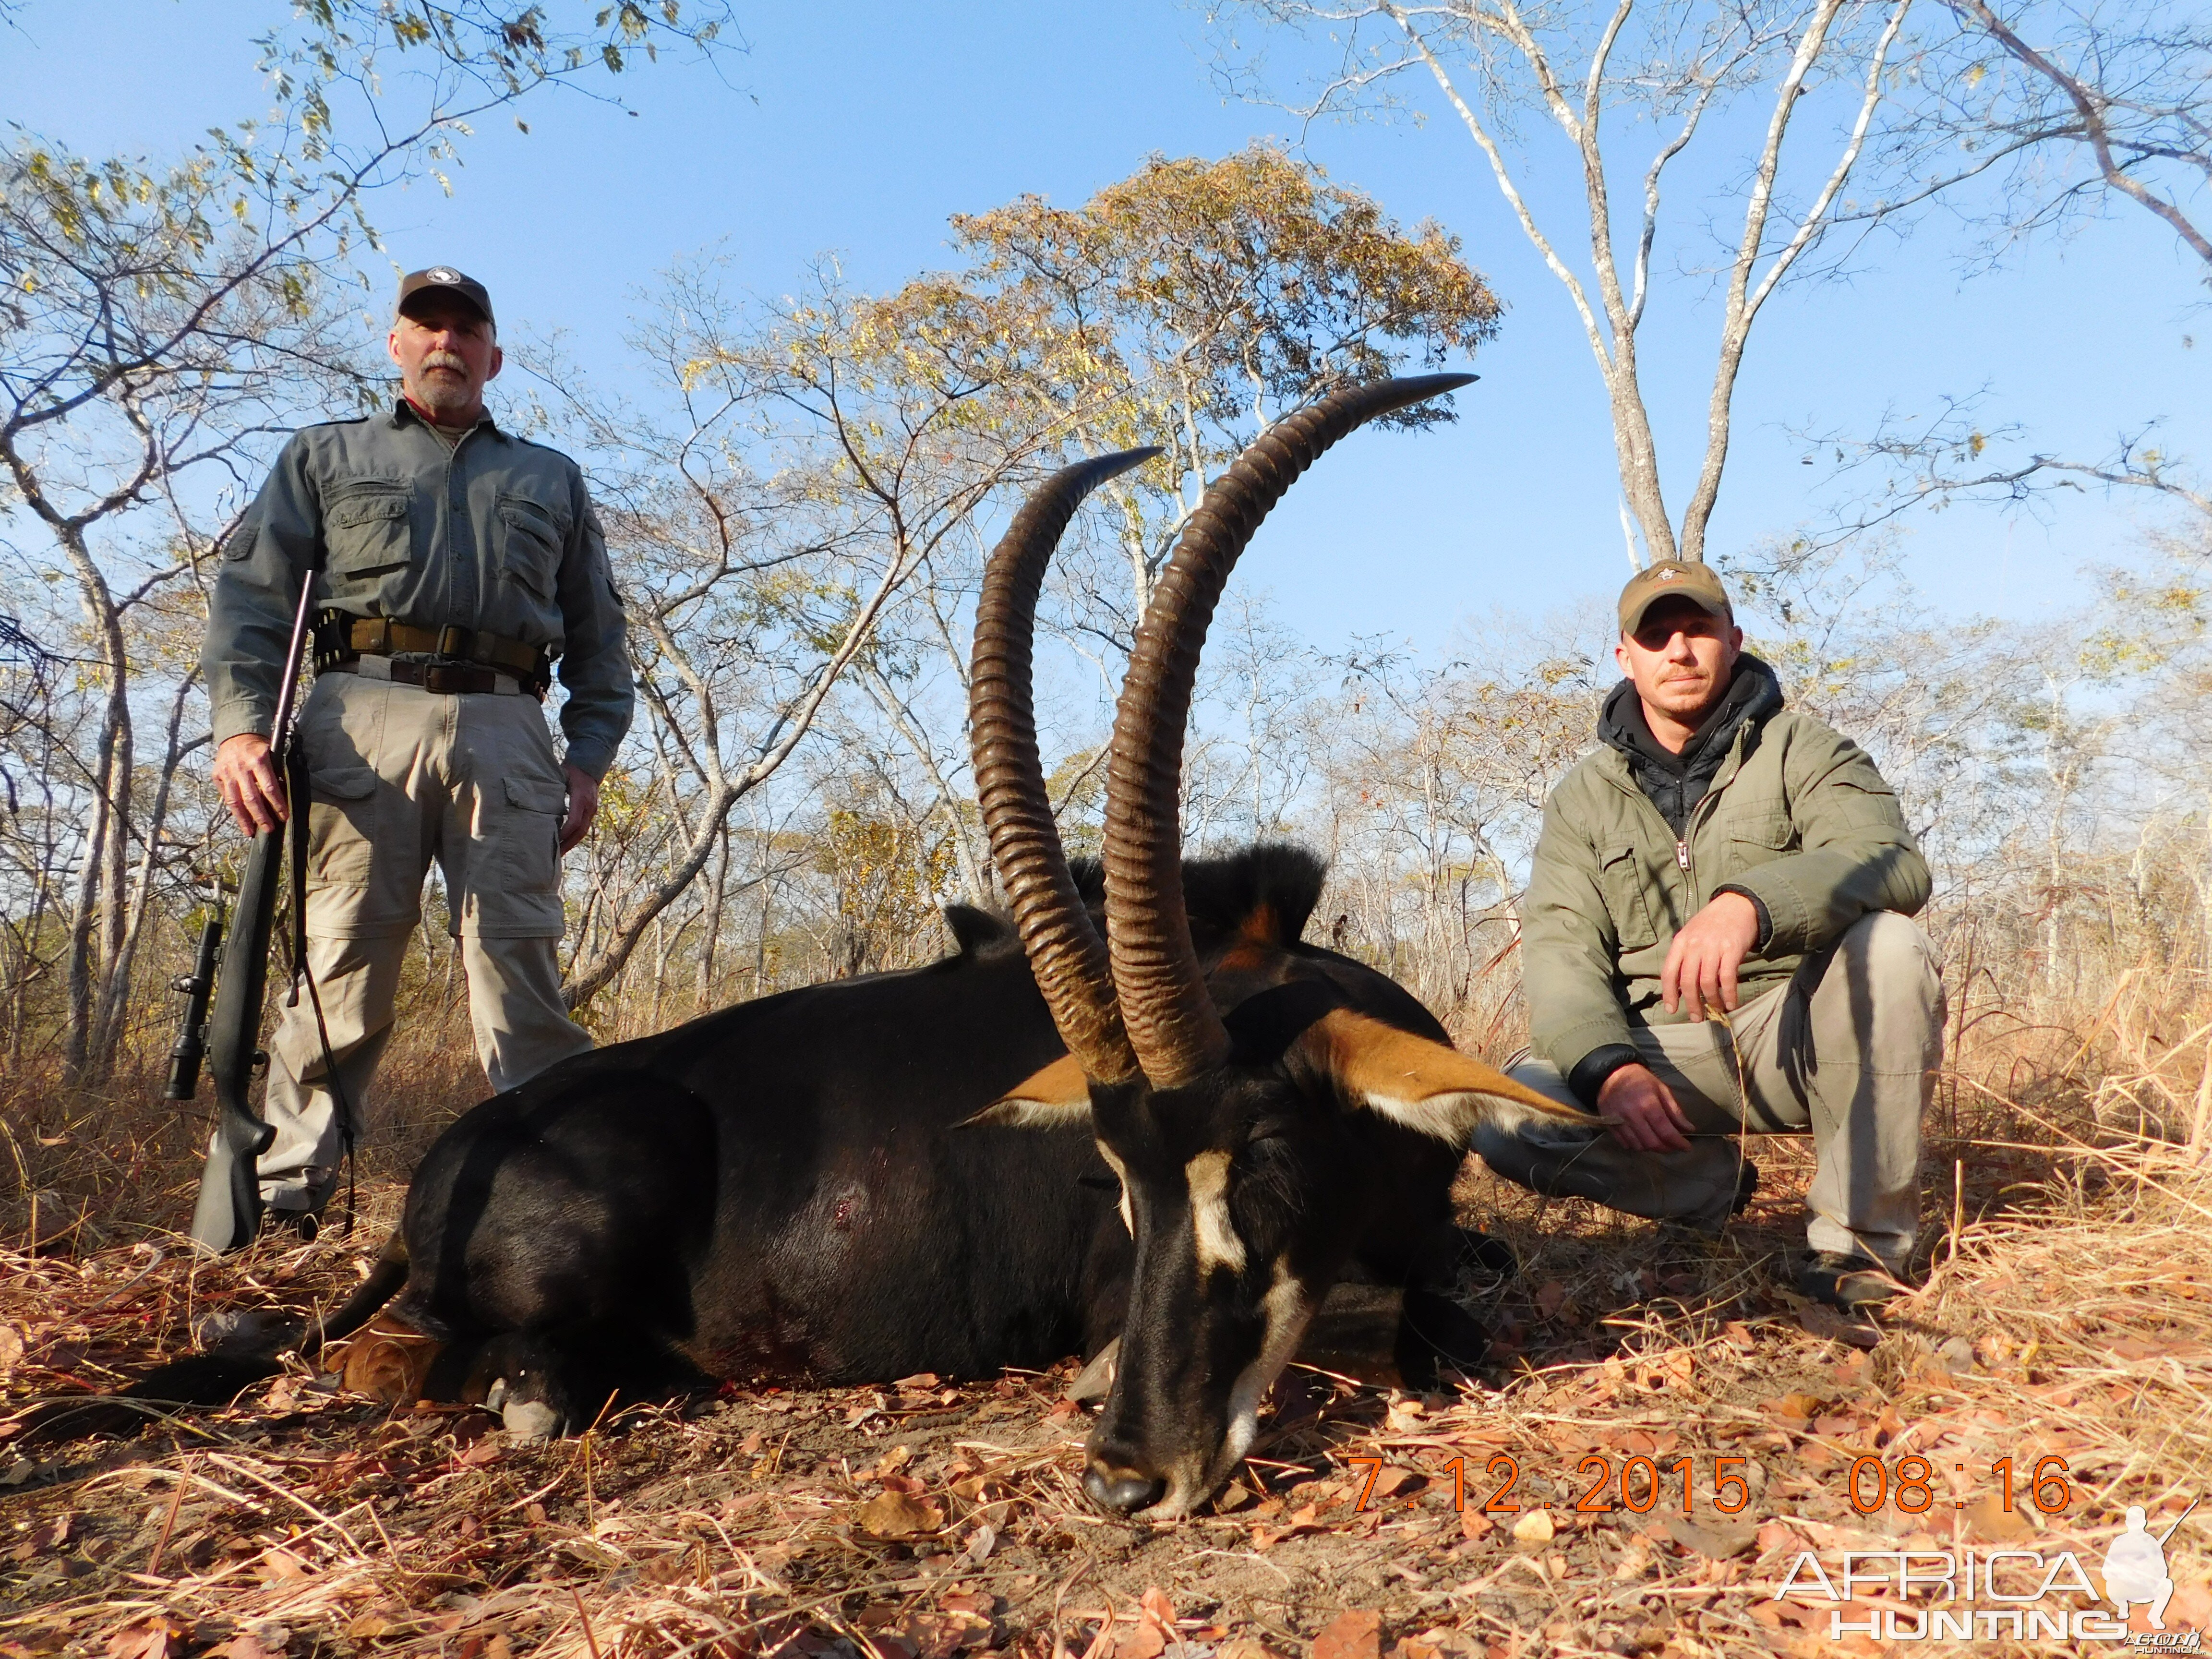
[{"x": 2067, "y": 1312}]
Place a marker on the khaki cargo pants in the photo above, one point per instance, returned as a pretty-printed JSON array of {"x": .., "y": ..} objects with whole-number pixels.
[
  {"x": 400, "y": 776},
  {"x": 1848, "y": 1049}
]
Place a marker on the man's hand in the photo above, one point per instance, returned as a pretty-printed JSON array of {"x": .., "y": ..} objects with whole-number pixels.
[
  {"x": 1642, "y": 1111},
  {"x": 1700, "y": 970},
  {"x": 583, "y": 807},
  {"x": 247, "y": 778}
]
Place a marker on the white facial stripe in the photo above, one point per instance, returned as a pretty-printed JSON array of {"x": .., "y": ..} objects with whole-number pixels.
[
  {"x": 1122, "y": 1175},
  {"x": 1217, "y": 1245},
  {"x": 1287, "y": 1313}
]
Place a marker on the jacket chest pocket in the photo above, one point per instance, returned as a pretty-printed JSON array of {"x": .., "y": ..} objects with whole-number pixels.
[
  {"x": 1759, "y": 835},
  {"x": 368, "y": 535},
  {"x": 530, "y": 537},
  {"x": 1626, "y": 901}
]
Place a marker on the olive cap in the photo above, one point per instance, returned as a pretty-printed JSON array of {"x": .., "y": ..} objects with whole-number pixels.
[{"x": 1672, "y": 579}]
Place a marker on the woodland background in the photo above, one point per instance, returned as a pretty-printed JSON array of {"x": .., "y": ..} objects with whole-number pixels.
[{"x": 799, "y": 495}]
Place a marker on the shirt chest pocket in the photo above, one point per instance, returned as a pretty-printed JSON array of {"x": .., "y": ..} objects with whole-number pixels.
[
  {"x": 1621, "y": 879},
  {"x": 530, "y": 536},
  {"x": 368, "y": 535}
]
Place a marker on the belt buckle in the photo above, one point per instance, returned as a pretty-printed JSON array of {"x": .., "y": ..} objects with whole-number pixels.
[
  {"x": 453, "y": 641},
  {"x": 434, "y": 677}
]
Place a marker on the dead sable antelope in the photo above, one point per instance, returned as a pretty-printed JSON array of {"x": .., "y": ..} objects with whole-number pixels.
[{"x": 910, "y": 1171}]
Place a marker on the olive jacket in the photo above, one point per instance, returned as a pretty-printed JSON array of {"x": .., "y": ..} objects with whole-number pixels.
[
  {"x": 494, "y": 534},
  {"x": 1798, "y": 818}
]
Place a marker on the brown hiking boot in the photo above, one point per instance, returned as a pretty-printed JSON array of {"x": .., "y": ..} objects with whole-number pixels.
[{"x": 1846, "y": 1281}]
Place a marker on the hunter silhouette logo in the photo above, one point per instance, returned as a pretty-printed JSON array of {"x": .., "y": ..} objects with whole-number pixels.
[
  {"x": 1998, "y": 1595},
  {"x": 2135, "y": 1567}
]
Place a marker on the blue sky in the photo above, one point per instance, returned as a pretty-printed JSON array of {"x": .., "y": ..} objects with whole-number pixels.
[{"x": 856, "y": 129}]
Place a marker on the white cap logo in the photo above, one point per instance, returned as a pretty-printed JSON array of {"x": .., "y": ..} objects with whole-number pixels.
[
  {"x": 1664, "y": 576},
  {"x": 440, "y": 274}
]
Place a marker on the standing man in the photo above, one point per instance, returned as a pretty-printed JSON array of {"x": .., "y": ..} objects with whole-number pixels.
[
  {"x": 1716, "y": 936},
  {"x": 454, "y": 562}
]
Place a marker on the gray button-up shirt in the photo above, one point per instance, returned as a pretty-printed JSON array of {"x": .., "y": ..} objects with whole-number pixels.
[{"x": 496, "y": 533}]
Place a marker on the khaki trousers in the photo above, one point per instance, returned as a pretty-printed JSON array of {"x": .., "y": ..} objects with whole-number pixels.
[
  {"x": 401, "y": 776},
  {"x": 1848, "y": 1049}
]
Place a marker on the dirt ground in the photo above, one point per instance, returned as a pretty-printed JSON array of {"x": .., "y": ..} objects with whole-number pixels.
[{"x": 2067, "y": 1315}]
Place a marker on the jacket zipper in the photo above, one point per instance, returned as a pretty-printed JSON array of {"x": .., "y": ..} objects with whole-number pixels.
[{"x": 1683, "y": 861}]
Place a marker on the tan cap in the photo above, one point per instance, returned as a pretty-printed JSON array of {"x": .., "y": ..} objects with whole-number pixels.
[
  {"x": 1672, "y": 579},
  {"x": 452, "y": 282}
]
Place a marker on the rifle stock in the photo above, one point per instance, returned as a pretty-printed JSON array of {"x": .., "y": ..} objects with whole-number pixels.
[{"x": 229, "y": 1212}]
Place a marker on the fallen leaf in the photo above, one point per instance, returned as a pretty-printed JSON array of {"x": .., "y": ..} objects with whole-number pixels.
[
  {"x": 1549, "y": 1297},
  {"x": 277, "y": 1566},
  {"x": 898, "y": 1515},
  {"x": 1717, "y": 1540},
  {"x": 1989, "y": 1517},
  {"x": 1474, "y": 1523},
  {"x": 1158, "y": 1607},
  {"x": 1775, "y": 1536},
  {"x": 1392, "y": 1481},
  {"x": 1534, "y": 1528},
  {"x": 1144, "y": 1640},
  {"x": 1802, "y": 1407},
  {"x": 12, "y": 1349},
  {"x": 1786, "y": 1612},
  {"x": 1354, "y": 1635},
  {"x": 919, "y": 1379},
  {"x": 1243, "y": 1647},
  {"x": 480, "y": 1452},
  {"x": 157, "y": 1637}
]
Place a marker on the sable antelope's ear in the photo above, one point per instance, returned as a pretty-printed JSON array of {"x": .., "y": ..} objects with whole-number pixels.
[
  {"x": 1427, "y": 1085},
  {"x": 1057, "y": 1098}
]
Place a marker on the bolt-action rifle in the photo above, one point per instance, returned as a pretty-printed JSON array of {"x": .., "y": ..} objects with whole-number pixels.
[{"x": 228, "y": 1212}]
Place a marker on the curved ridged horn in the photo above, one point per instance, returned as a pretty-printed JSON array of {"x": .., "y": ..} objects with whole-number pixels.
[
  {"x": 1170, "y": 1018},
  {"x": 1064, "y": 951}
]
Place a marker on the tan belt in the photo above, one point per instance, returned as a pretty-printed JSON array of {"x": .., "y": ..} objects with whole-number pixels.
[
  {"x": 381, "y": 636},
  {"x": 447, "y": 676}
]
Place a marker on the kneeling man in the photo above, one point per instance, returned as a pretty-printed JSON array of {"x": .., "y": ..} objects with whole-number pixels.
[{"x": 1716, "y": 935}]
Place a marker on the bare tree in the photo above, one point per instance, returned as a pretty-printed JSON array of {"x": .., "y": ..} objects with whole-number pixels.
[
  {"x": 1669, "y": 73},
  {"x": 814, "y": 462},
  {"x": 2082, "y": 103}
]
